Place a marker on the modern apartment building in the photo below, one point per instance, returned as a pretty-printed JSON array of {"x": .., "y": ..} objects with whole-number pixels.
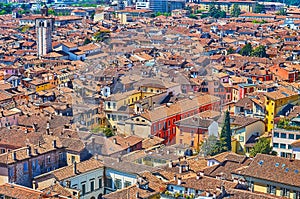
[{"x": 160, "y": 5}]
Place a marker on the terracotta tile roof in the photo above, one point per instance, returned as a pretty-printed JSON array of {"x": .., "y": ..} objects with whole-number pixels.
[
  {"x": 125, "y": 166},
  {"x": 281, "y": 93},
  {"x": 273, "y": 168},
  {"x": 240, "y": 194},
  {"x": 45, "y": 146},
  {"x": 153, "y": 141},
  {"x": 179, "y": 107},
  {"x": 68, "y": 171},
  {"x": 126, "y": 142},
  {"x": 205, "y": 183},
  {"x": 19, "y": 192}
]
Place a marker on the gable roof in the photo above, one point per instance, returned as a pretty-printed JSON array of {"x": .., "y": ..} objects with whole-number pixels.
[{"x": 273, "y": 168}]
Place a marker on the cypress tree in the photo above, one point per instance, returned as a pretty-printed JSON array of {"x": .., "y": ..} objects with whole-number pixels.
[{"x": 225, "y": 135}]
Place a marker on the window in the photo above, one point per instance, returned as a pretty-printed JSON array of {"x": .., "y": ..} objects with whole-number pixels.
[
  {"x": 276, "y": 135},
  {"x": 283, "y": 135},
  {"x": 83, "y": 189},
  {"x": 100, "y": 183},
  {"x": 127, "y": 184},
  {"x": 61, "y": 156},
  {"x": 154, "y": 128},
  {"x": 282, "y": 146},
  {"x": 108, "y": 105},
  {"x": 275, "y": 145},
  {"x": 114, "y": 105},
  {"x": 11, "y": 172},
  {"x": 25, "y": 167},
  {"x": 48, "y": 159},
  {"x": 289, "y": 146},
  {"x": 297, "y": 137},
  {"x": 296, "y": 194},
  {"x": 92, "y": 184},
  {"x": 271, "y": 189},
  {"x": 72, "y": 159},
  {"x": 241, "y": 138},
  {"x": 118, "y": 184},
  {"x": 108, "y": 182},
  {"x": 291, "y": 136},
  {"x": 285, "y": 192}
]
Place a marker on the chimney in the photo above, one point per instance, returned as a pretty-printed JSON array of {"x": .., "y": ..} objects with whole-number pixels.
[
  {"x": 137, "y": 195},
  {"x": 175, "y": 177},
  {"x": 223, "y": 191},
  {"x": 115, "y": 141},
  {"x": 179, "y": 181},
  {"x": 75, "y": 167},
  {"x": 198, "y": 176},
  {"x": 54, "y": 143},
  {"x": 35, "y": 127},
  {"x": 168, "y": 152},
  {"x": 39, "y": 143},
  {"x": 34, "y": 184},
  {"x": 26, "y": 131},
  {"x": 48, "y": 124},
  {"x": 180, "y": 168},
  {"x": 170, "y": 164},
  {"x": 201, "y": 173},
  {"x": 119, "y": 159},
  {"x": 235, "y": 180},
  {"x": 28, "y": 150},
  {"x": 14, "y": 155},
  {"x": 68, "y": 183},
  {"x": 36, "y": 151}
]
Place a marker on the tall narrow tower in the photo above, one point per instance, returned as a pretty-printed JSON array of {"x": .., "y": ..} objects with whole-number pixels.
[{"x": 44, "y": 27}]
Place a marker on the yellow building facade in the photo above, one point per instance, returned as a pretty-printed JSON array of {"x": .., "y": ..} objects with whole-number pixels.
[{"x": 275, "y": 102}]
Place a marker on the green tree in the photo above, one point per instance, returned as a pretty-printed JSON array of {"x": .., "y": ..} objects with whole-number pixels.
[
  {"x": 96, "y": 129},
  {"x": 158, "y": 14},
  {"x": 51, "y": 12},
  {"x": 212, "y": 146},
  {"x": 246, "y": 50},
  {"x": 262, "y": 146},
  {"x": 87, "y": 41},
  {"x": 236, "y": 11},
  {"x": 226, "y": 133},
  {"x": 230, "y": 51},
  {"x": 108, "y": 132},
  {"x": 193, "y": 16},
  {"x": 259, "y": 8},
  {"x": 260, "y": 51},
  {"x": 101, "y": 36},
  {"x": 215, "y": 12},
  {"x": 282, "y": 11}
]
